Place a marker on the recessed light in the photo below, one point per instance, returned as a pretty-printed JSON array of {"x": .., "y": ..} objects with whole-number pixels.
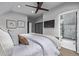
[
  {"x": 19, "y": 6},
  {"x": 32, "y": 11}
]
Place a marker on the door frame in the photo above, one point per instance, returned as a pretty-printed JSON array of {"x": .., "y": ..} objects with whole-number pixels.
[{"x": 66, "y": 12}]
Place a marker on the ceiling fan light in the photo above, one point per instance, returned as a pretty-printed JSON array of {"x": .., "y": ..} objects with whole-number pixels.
[
  {"x": 32, "y": 11},
  {"x": 19, "y": 6}
]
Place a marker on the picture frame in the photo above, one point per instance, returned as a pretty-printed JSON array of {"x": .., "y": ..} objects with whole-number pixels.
[
  {"x": 20, "y": 24},
  {"x": 11, "y": 24}
]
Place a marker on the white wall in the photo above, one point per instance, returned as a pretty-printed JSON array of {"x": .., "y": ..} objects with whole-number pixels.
[
  {"x": 78, "y": 33},
  {"x": 14, "y": 16},
  {"x": 4, "y": 7},
  {"x": 40, "y": 19},
  {"x": 46, "y": 17},
  {"x": 30, "y": 27}
]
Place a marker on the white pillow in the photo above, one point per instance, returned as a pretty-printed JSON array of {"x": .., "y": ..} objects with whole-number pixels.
[{"x": 5, "y": 42}]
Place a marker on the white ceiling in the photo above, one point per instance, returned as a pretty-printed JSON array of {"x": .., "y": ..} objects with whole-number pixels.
[{"x": 6, "y": 6}]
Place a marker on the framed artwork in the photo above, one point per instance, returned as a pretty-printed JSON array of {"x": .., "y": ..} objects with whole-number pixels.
[
  {"x": 20, "y": 24},
  {"x": 11, "y": 24}
]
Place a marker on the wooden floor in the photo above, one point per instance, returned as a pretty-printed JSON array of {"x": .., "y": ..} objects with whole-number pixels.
[{"x": 67, "y": 52}]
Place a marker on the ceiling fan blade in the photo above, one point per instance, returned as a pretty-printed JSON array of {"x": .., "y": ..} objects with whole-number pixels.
[
  {"x": 39, "y": 4},
  {"x": 36, "y": 7},
  {"x": 44, "y": 9},
  {"x": 36, "y": 10},
  {"x": 41, "y": 9},
  {"x": 31, "y": 6}
]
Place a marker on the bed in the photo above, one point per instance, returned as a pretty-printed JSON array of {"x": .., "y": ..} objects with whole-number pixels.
[{"x": 39, "y": 45}]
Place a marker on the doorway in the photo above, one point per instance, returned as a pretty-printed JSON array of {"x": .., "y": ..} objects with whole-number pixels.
[
  {"x": 68, "y": 30},
  {"x": 39, "y": 28}
]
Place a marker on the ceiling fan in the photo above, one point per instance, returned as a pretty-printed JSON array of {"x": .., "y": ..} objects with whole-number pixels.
[{"x": 39, "y": 5}]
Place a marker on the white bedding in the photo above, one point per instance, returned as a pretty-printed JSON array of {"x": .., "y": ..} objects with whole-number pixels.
[
  {"x": 49, "y": 47},
  {"x": 32, "y": 49},
  {"x": 38, "y": 46}
]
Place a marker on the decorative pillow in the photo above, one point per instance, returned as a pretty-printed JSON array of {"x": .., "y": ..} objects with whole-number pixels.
[
  {"x": 23, "y": 40},
  {"x": 5, "y": 42}
]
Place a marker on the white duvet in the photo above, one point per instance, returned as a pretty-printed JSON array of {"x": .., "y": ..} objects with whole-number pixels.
[
  {"x": 49, "y": 47},
  {"x": 39, "y": 45},
  {"x": 32, "y": 49}
]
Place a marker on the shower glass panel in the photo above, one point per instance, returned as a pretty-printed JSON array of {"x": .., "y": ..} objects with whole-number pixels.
[{"x": 68, "y": 26}]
